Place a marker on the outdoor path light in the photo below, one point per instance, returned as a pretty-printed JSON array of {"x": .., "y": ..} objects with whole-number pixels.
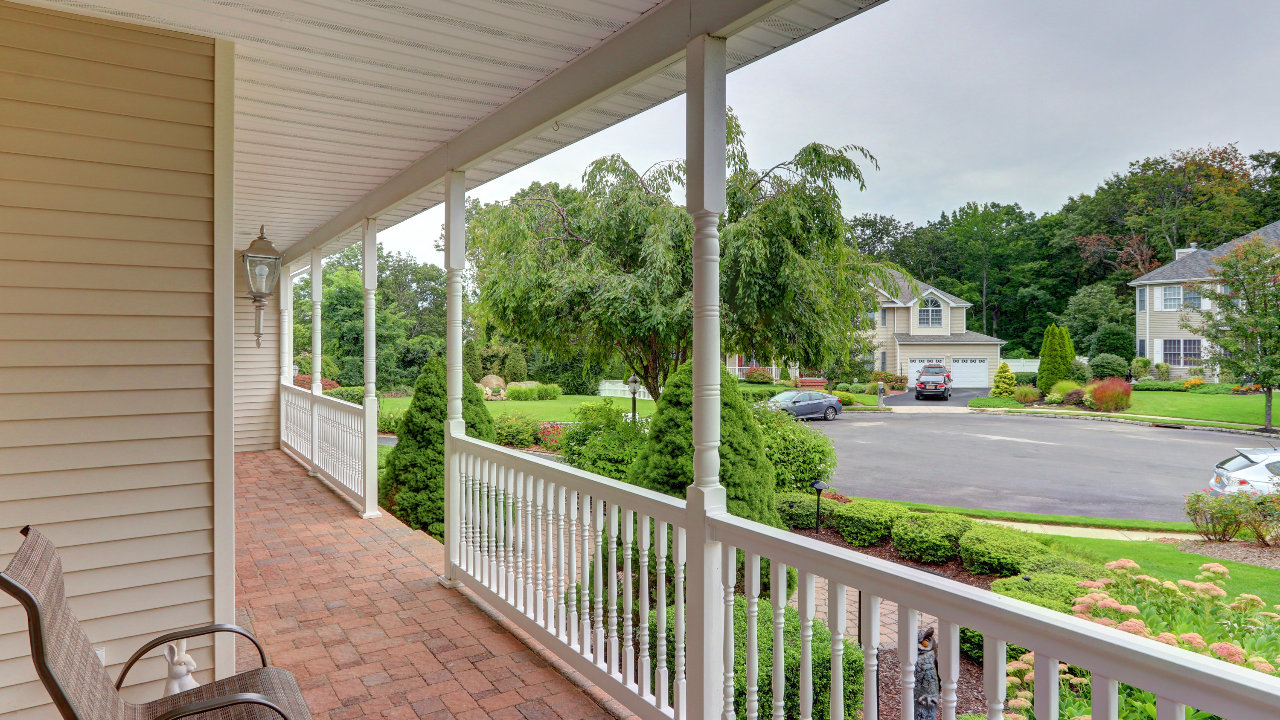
[
  {"x": 633, "y": 384},
  {"x": 262, "y": 264},
  {"x": 818, "y": 486}
]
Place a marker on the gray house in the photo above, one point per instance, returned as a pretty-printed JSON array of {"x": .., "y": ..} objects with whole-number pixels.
[{"x": 1165, "y": 297}]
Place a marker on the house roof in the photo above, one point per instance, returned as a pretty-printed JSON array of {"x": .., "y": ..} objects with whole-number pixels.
[
  {"x": 903, "y": 294},
  {"x": 967, "y": 337},
  {"x": 1196, "y": 265}
]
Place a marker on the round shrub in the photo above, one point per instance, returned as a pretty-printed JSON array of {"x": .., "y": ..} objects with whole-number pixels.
[
  {"x": 846, "y": 399},
  {"x": 866, "y": 522},
  {"x": 799, "y": 453},
  {"x": 797, "y": 509},
  {"x": 930, "y": 537},
  {"x": 1049, "y": 587},
  {"x": 353, "y": 394},
  {"x": 846, "y": 387},
  {"x": 1075, "y": 397},
  {"x": 1161, "y": 371},
  {"x": 1140, "y": 367},
  {"x": 516, "y": 429},
  {"x": 989, "y": 549},
  {"x": 757, "y": 375},
  {"x": 1059, "y": 563},
  {"x": 1062, "y": 387},
  {"x": 1026, "y": 394},
  {"x": 1080, "y": 372},
  {"x": 1107, "y": 365},
  {"x": 1005, "y": 382},
  {"x": 1025, "y": 378},
  {"x": 603, "y": 441}
]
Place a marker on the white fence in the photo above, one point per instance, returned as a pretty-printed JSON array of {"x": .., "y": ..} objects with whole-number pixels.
[
  {"x": 618, "y": 388},
  {"x": 1031, "y": 365},
  {"x": 328, "y": 434},
  {"x": 580, "y": 561}
]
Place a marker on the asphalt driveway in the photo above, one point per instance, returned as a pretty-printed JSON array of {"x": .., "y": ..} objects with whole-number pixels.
[
  {"x": 1043, "y": 465},
  {"x": 960, "y": 397}
]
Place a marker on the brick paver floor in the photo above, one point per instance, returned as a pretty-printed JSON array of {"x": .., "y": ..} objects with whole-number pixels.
[{"x": 355, "y": 609}]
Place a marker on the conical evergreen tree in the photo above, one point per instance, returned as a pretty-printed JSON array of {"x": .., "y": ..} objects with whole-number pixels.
[
  {"x": 515, "y": 369},
  {"x": 471, "y": 360},
  {"x": 1052, "y": 369},
  {"x": 1005, "y": 382},
  {"x": 412, "y": 486},
  {"x": 666, "y": 463}
]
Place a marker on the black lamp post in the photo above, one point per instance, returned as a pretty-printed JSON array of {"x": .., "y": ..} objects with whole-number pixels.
[
  {"x": 818, "y": 486},
  {"x": 633, "y": 384}
]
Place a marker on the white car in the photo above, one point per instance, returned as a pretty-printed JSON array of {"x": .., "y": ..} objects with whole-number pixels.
[{"x": 1249, "y": 470}]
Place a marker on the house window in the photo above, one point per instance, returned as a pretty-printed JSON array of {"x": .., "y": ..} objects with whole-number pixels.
[
  {"x": 1173, "y": 351},
  {"x": 1191, "y": 298},
  {"x": 884, "y": 316},
  {"x": 930, "y": 313},
  {"x": 1172, "y": 298},
  {"x": 1142, "y": 347},
  {"x": 1182, "y": 353},
  {"x": 884, "y": 361},
  {"x": 1142, "y": 299}
]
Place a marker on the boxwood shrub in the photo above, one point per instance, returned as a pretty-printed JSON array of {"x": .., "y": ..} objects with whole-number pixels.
[
  {"x": 1049, "y": 587},
  {"x": 989, "y": 549},
  {"x": 796, "y": 509},
  {"x": 865, "y": 522},
  {"x": 1025, "y": 378},
  {"x": 537, "y": 392},
  {"x": 930, "y": 537},
  {"x": 352, "y": 394}
]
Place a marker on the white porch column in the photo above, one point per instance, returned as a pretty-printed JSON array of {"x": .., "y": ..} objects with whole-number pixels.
[
  {"x": 705, "y": 152},
  {"x": 286, "y": 327},
  {"x": 369, "y": 269},
  {"x": 455, "y": 252},
  {"x": 317, "y": 290}
]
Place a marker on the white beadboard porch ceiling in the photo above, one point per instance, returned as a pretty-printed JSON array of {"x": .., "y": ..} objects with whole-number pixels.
[{"x": 335, "y": 98}]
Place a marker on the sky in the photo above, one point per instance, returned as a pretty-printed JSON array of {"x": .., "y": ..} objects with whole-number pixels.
[{"x": 972, "y": 100}]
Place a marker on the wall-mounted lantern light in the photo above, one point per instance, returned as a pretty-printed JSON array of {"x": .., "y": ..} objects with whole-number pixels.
[{"x": 262, "y": 264}]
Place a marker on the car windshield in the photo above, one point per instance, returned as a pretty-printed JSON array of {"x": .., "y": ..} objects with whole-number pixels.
[
  {"x": 787, "y": 396},
  {"x": 932, "y": 377},
  {"x": 1235, "y": 462},
  {"x": 933, "y": 369}
]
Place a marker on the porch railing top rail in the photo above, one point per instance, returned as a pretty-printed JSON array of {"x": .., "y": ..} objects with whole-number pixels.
[{"x": 1195, "y": 680}]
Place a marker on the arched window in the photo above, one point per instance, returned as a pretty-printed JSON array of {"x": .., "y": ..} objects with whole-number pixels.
[{"x": 930, "y": 313}]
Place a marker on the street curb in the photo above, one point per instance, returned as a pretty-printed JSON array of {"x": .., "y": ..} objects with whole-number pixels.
[{"x": 1170, "y": 424}]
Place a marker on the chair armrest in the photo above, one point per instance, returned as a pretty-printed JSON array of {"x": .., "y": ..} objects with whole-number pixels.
[
  {"x": 203, "y": 706},
  {"x": 188, "y": 633}
]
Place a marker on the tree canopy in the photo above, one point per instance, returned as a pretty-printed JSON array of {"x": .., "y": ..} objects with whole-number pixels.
[{"x": 606, "y": 269}]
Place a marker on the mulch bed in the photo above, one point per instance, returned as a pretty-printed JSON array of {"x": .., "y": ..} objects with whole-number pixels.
[
  {"x": 969, "y": 695},
  {"x": 1250, "y": 553}
]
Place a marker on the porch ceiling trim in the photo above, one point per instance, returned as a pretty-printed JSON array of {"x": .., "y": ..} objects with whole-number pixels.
[{"x": 641, "y": 48}]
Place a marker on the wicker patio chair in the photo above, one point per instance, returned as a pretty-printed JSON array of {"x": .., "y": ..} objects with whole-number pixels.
[{"x": 78, "y": 683}]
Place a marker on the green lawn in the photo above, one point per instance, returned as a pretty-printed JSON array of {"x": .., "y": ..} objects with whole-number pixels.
[
  {"x": 865, "y": 399},
  {"x": 1140, "y": 418},
  {"x": 1046, "y": 519},
  {"x": 560, "y": 410},
  {"x": 1170, "y": 563},
  {"x": 1220, "y": 408}
]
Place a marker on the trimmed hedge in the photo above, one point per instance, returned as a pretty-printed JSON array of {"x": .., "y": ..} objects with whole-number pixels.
[
  {"x": 846, "y": 399},
  {"x": 989, "y": 549},
  {"x": 796, "y": 509},
  {"x": 1048, "y": 587},
  {"x": 865, "y": 522},
  {"x": 538, "y": 392},
  {"x": 930, "y": 537},
  {"x": 1025, "y": 378},
  {"x": 351, "y": 393}
]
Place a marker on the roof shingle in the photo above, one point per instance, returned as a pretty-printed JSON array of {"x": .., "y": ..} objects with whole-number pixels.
[{"x": 1196, "y": 265}]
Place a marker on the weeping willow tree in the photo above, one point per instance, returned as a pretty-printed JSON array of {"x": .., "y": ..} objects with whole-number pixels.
[{"x": 607, "y": 268}]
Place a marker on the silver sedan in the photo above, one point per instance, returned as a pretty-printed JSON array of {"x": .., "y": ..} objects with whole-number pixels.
[{"x": 1249, "y": 470}]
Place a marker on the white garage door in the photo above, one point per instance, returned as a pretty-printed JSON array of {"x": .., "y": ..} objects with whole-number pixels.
[
  {"x": 969, "y": 372},
  {"x": 914, "y": 365}
]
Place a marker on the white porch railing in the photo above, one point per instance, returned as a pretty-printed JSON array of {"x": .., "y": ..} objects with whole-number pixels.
[
  {"x": 326, "y": 433},
  {"x": 579, "y": 561}
]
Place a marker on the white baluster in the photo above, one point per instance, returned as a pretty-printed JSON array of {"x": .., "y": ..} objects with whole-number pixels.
[
  {"x": 993, "y": 675},
  {"x": 947, "y": 645},
  {"x": 584, "y": 589},
  {"x": 1106, "y": 698},
  {"x": 571, "y": 502},
  {"x": 628, "y": 648},
  {"x": 678, "y": 684},
  {"x": 869, "y": 637},
  {"x": 547, "y": 529},
  {"x": 1046, "y": 687},
  {"x": 500, "y": 530},
  {"x": 612, "y": 629},
  {"x": 751, "y": 583},
  {"x": 561, "y": 552},
  {"x": 519, "y": 544},
  {"x": 532, "y": 533},
  {"x": 660, "y": 559},
  {"x": 806, "y": 602},
  {"x": 838, "y": 620},
  {"x": 598, "y": 648},
  {"x": 728, "y": 569},
  {"x": 1167, "y": 709},
  {"x": 778, "y": 598},
  {"x": 908, "y": 630},
  {"x": 642, "y": 622},
  {"x": 464, "y": 519},
  {"x": 510, "y": 507},
  {"x": 476, "y": 571}
]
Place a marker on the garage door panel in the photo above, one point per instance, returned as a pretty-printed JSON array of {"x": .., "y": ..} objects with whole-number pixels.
[
  {"x": 915, "y": 363},
  {"x": 969, "y": 372}
]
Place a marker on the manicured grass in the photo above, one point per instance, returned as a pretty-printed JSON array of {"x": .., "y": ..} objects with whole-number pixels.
[
  {"x": 1044, "y": 519},
  {"x": 1140, "y": 418},
  {"x": 994, "y": 402},
  {"x": 1170, "y": 563},
  {"x": 864, "y": 399},
  {"x": 558, "y": 410},
  {"x": 1246, "y": 409}
]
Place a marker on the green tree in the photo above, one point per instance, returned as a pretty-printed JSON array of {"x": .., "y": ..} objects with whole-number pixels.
[
  {"x": 1242, "y": 324},
  {"x": 515, "y": 368},
  {"x": 666, "y": 463},
  {"x": 1055, "y": 363},
  {"x": 412, "y": 486},
  {"x": 1005, "y": 382},
  {"x": 342, "y": 322},
  {"x": 1115, "y": 339},
  {"x": 416, "y": 288},
  {"x": 1090, "y": 309},
  {"x": 606, "y": 270},
  {"x": 471, "y": 360}
]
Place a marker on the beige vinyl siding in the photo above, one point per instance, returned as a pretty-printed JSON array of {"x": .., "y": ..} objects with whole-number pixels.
[
  {"x": 914, "y": 318},
  {"x": 958, "y": 319},
  {"x": 257, "y": 372},
  {"x": 1155, "y": 324},
  {"x": 106, "y": 331}
]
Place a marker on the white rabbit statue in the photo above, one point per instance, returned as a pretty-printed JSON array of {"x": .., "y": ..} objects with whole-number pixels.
[{"x": 181, "y": 668}]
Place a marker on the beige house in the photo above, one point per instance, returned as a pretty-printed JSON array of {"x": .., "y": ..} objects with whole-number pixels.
[
  {"x": 142, "y": 145},
  {"x": 1167, "y": 297},
  {"x": 920, "y": 324}
]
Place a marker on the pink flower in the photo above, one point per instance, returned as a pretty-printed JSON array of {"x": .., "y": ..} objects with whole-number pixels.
[
  {"x": 1090, "y": 584},
  {"x": 1106, "y": 581},
  {"x": 1129, "y": 609},
  {"x": 1230, "y": 652},
  {"x": 1122, "y": 564},
  {"x": 1216, "y": 568},
  {"x": 1082, "y": 607},
  {"x": 1018, "y": 703},
  {"x": 1082, "y": 616},
  {"x": 1106, "y": 621},
  {"x": 1194, "y": 640},
  {"x": 1262, "y": 665},
  {"x": 1147, "y": 579},
  {"x": 1017, "y": 666},
  {"x": 1167, "y": 638},
  {"x": 1012, "y": 680},
  {"x": 1109, "y": 604},
  {"x": 1134, "y": 626}
]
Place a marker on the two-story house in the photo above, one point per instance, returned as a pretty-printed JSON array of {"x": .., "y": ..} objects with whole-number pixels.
[
  {"x": 919, "y": 324},
  {"x": 1167, "y": 296}
]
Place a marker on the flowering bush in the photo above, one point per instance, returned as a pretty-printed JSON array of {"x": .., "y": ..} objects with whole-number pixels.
[
  {"x": 1108, "y": 395},
  {"x": 1194, "y": 382},
  {"x": 304, "y": 381},
  {"x": 1262, "y": 517},
  {"x": 756, "y": 374},
  {"x": 1217, "y": 518},
  {"x": 549, "y": 436},
  {"x": 388, "y": 422},
  {"x": 1246, "y": 389}
]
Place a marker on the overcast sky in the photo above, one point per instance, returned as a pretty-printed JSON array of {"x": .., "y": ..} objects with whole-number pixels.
[{"x": 984, "y": 100}]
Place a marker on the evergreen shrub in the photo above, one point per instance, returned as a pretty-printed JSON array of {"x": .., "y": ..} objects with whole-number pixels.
[
  {"x": 351, "y": 394},
  {"x": 800, "y": 455},
  {"x": 866, "y": 522},
  {"x": 515, "y": 429},
  {"x": 603, "y": 440},
  {"x": 988, "y": 549},
  {"x": 1025, "y": 378},
  {"x": 797, "y": 509},
  {"x": 1140, "y": 367},
  {"x": 1005, "y": 382},
  {"x": 1049, "y": 586},
  {"x": 471, "y": 360},
  {"x": 930, "y": 537},
  {"x": 1108, "y": 366},
  {"x": 1055, "y": 364},
  {"x": 1080, "y": 372},
  {"x": 515, "y": 369},
  {"x": 1161, "y": 371},
  {"x": 412, "y": 486}
]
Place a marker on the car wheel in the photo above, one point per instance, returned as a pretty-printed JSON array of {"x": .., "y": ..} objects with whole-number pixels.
[
  {"x": 917, "y": 396},
  {"x": 830, "y": 414}
]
